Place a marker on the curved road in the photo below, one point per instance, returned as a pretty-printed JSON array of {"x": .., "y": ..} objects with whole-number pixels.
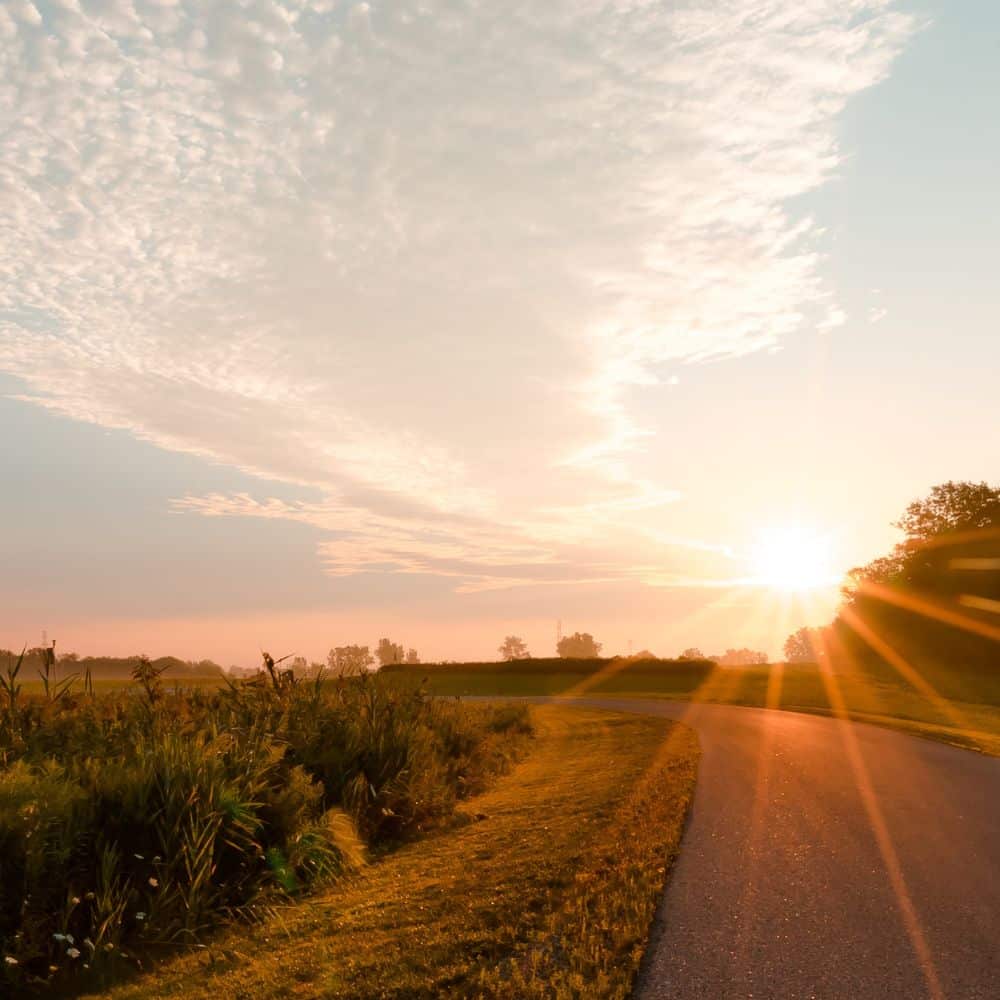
[{"x": 828, "y": 860}]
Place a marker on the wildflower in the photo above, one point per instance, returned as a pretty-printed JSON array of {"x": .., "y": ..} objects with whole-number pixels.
[
  {"x": 138, "y": 857},
  {"x": 73, "y": 952},
  {"x": 89, "y": 943},
  {"x": 60, "y": 937},
  {"x": 140, "y": 915},
  {"x": 109, "y": 946},
  {"x": 53, "y": 968},
  {"x": 75, "y": 900},
  {"x": 89, "y": 895},
  {"x": 10, "y": 960},
  {"x": 154, "y": 882}
]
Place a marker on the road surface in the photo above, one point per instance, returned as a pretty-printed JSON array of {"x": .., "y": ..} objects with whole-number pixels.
[{"x": 828, "y": 860}]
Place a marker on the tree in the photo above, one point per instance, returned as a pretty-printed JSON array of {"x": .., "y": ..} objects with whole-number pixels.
[
  {"x": 692, "y": 653},
  {"x": 513, "y": 648},
  {"x": 578, "y": 646},
  {"x": 389, "y": 652},
  {"x": 964, "y": 510},
  {"x": 742, "y": 658},
  {"x": 350, "y": 661},
  {"x": 951, "y": 508},
  {"x": 804, "y": 646},
  {"x": 948, "y": 564},
  {"x": 412, "y": 657}
]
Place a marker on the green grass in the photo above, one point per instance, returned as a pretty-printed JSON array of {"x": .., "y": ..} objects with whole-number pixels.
[
  {"x": 545, "y": 886},
  {"x": 968, "y": 715},
  {"x": 107, "y": 685}
]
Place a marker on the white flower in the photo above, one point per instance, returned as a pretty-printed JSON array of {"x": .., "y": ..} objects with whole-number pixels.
[
  {"x": 60, "y": 937},
  {"x": 10, "y": 960},
  {"x": 75, "y": 900},
  {"x": 139, "y": 857},
  {"x": 140, "y": 915},
  {"x": 73, "y": 952}
]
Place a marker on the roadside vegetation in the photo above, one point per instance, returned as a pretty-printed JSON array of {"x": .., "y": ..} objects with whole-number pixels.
[
  {"x": 544, "y": 886},
  {"x": 133, "y": 821}
]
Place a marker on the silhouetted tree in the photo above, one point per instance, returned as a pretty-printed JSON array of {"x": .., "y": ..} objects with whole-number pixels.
[
  {"x": 960, "y": 513},
  {"x": 932, "y": 600},
  {"x": 412, "y": 657},
  {"x": 742, "y": 658},
  {"x": 513, "y": 648},
  {"x": 804, "y": 646},
  {"x": 692, "y": 653},
  {"x": 578, "y": 646},
  {"x": 350, "y": 661},
  {"x": 389, "y": 652}
]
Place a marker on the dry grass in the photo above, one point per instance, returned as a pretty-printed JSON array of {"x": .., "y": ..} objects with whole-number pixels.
[{"x": 545, "y": 886}]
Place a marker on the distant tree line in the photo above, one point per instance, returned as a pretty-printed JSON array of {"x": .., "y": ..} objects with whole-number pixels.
[{"x": 104, "y": 667}]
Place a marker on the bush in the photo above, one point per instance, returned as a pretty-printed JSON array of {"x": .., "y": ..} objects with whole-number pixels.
[{"x": 136, "y": 820}]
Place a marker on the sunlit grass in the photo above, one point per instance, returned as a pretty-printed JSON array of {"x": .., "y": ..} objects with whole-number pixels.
[{"x": 546, "y": 888}]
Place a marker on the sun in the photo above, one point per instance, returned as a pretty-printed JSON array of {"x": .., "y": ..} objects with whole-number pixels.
[{"x": 793, "y": 558}]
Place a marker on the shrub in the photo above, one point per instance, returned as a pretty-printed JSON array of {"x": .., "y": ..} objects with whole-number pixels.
[{"x": 136, "y": 820}]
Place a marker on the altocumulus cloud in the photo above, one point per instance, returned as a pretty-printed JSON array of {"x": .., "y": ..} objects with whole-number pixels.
[{"x": 417, "y": 254}]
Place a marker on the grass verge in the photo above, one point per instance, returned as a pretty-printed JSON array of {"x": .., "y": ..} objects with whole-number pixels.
[
  {"x": 545, "y": 886},
  {"x": 968, "y": 718}
]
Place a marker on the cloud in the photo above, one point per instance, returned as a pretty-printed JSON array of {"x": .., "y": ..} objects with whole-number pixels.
[
  {"x": 417, "y": 254},
  {"x": 559, "y": 547}
]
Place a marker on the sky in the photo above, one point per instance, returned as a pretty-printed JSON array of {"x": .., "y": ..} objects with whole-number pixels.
[{"x": 449, "y": 320}]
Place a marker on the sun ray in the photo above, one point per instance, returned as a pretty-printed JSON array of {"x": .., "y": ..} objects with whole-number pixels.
[
  {"x": 904, "y": 668},
  {"x": 883, "y": 838},
  {"x": 929, "y": 609},
  {"x": 980, "y": 603}
]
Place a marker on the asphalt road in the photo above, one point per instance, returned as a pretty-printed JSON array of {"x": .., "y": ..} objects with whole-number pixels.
[{"x": 828, "y": 860}]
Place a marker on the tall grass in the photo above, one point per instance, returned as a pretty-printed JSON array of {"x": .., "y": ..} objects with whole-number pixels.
[{"x": 133, "y": 821}]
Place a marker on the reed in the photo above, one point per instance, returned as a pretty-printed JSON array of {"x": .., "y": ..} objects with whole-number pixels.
[{"x": 132, "y": 822}]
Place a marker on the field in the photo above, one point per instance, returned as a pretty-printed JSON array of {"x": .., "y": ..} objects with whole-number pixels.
[
  {"x": 966, "y": 713},
  {"x": 544, "y": 886}
]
